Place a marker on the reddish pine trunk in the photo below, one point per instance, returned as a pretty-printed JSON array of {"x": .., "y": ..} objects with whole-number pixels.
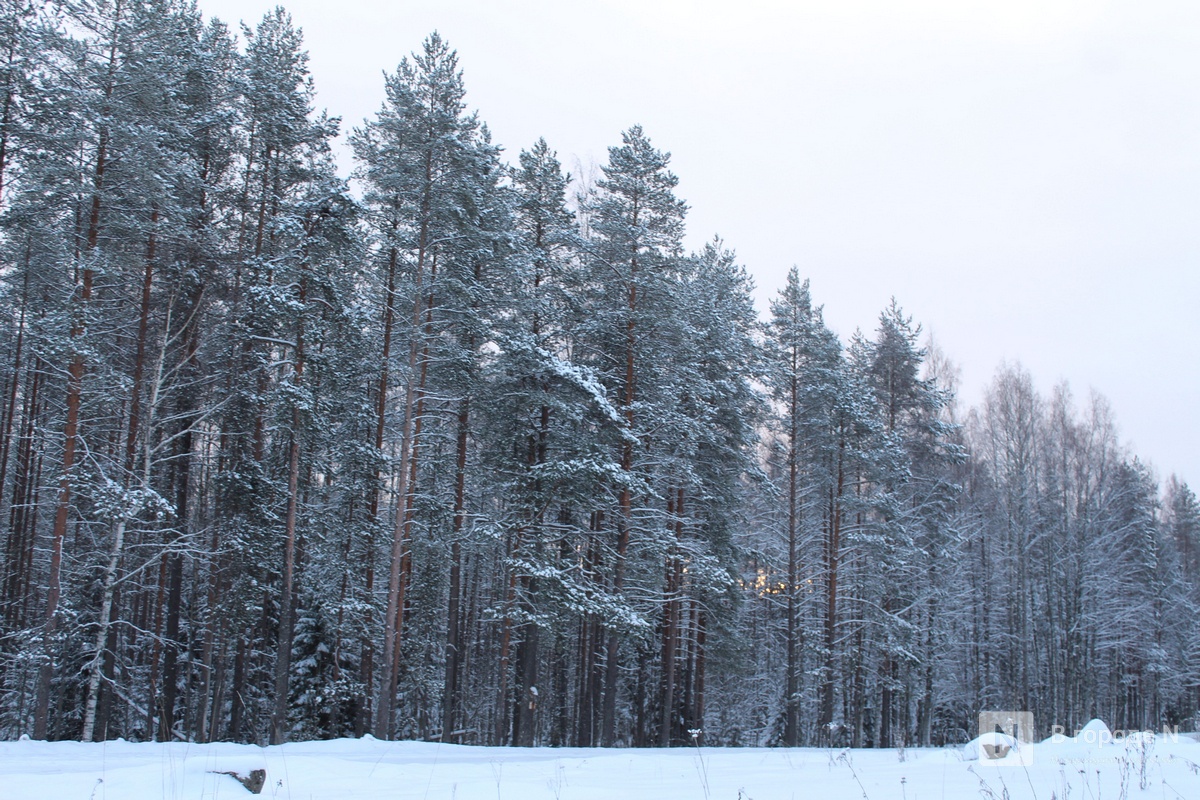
[
  {"x": 624, "y": 520},
  {"x": 671, "y": 623},
  {"x": 102, "y": 663},
  {"x": 74, "y": 401},
  {"x": 62, "y": 511},
  {"x": 833, "y": 546},
  {"x": 410, "y": 433},
  {"x": 454, "y": 638},
  {"x": 366, "y": 668}
]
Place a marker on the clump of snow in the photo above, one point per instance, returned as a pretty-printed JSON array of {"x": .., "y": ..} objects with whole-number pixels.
[
  {"x": 1094, "y": 734},
  {"x": 1095, "y": 730},
  {"x": 1095, "y": 745}
]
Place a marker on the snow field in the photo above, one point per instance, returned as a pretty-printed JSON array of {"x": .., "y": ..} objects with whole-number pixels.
[{"x": 369, "y": 769}]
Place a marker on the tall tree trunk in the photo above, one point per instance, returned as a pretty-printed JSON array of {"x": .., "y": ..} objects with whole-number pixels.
[
  {"x": 12, "y": 64},
  {"x": 791, "y": 730},
  {"x": 10, "y": 408},
  {"x": 624, "y": 519},
  {"x": 118, "y": 540},
  {"x": 170, "y": 684},
  {"x": 451, "y": 698},
  {"x": 22, "y": 512},
  {"x": 74, "y": 401},
  {"x": 393, "y": 620},
  {"x": 505, "y": 661},
  {"x": 527, "y": 699},
  {"x": 237, "y": 710},
  {"x": 62, "y": 511},
  {"x": 671, "y": 622},
  {"x": 833, "y": 546},
  {"x": 528, "y": 695},
  {"x": 12, "y": 595},
  {"x": 181, "y": 480},
  {"x": 283, "y": 655},
  {"x": 366, "y": 666}
]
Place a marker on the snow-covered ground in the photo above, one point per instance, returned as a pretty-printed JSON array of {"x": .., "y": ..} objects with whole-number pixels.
[{"x": 369, "y": 769}]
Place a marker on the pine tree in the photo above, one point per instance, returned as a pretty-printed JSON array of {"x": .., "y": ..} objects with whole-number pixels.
[
  {"x": 1181, "y": 525},
  {"x": 286, "y": 203},
  {"x": 806, "y": 361},
  {"x": 636, "y": 231},
  {"x": 909, "y": 500},
  {"x": 713, "y": 430},
  {"x": 541, "y": 405},
  {"x": 432, "y": 189}
]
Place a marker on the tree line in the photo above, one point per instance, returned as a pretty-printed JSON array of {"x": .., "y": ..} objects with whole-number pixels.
[{"x": 469, "y": 451}]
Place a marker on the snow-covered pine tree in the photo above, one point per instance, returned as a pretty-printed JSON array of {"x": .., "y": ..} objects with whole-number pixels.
[
  {"x": 540, "y": 413},
  {"x": 909, "y": 500},
  {"x": 1181, "y": 524},
  {"x": 286, "y": 195},
  {"x": 712, "y": 412},
  {"x": 442, "y": 226},
  {"x": 632, "y": 256},
  {"x": 805, "y": 378}
]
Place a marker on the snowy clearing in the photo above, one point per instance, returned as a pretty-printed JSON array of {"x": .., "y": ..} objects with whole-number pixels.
[{"x": 368, "y": 769}]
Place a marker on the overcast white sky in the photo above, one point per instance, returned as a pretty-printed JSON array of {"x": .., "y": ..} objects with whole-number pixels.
[{"x": 1022, "y": 175}]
